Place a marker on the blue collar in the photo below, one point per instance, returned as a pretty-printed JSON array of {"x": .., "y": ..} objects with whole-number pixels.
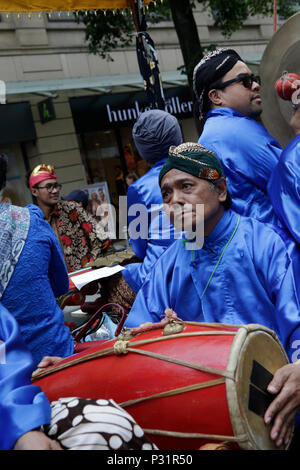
[
  {"x": 220, "y": 235},
  {"x": 223, "y": 111}
]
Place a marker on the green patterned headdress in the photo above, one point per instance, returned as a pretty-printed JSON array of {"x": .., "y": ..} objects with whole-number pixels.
[
  {"x": 193, "y": 159},
  {"x": 196, "y": 160}
]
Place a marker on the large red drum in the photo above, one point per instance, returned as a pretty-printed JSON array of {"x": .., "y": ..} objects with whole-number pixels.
[{"x": 203, "y": 383}]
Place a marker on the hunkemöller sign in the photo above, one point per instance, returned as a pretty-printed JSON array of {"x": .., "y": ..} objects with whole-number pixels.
[
  {"x": 100, "y": 112},
  {"x": 173, "y": 106}
]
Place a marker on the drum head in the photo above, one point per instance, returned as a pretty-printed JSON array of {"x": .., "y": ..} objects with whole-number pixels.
[{"x": 258, "y": 355}]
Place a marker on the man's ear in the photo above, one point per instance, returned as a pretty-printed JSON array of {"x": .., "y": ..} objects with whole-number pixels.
[
  {"x": 34, "y": 192},
  {"x": 222, "y": 190},
  {"x": 215, "y": 97}
]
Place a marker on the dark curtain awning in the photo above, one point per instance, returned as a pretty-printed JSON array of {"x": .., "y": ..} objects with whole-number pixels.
[{"x": 16, "y": 123}]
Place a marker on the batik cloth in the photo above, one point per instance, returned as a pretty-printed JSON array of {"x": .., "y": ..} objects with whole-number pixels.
[
  {"x": 14, "y": 226},
  {"x": 80, "y": 236},
  {"x": 39, "y": 278},
  {"x": 90, "y": 424},
  {"x": 193, "y": 159},
  {"x": 115, "y": 289}
]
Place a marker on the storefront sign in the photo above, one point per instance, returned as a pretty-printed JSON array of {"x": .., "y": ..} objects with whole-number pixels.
[
  {"x": 94, "y": 113},
  {"x": 173, "y": 106}
]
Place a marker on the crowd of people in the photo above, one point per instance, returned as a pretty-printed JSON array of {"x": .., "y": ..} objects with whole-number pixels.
[{"x": 243, "y": 269}]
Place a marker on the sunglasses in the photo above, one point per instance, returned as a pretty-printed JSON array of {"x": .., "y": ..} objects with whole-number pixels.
[
  {"x": 246, "y": 79},
  {"x": 50, "y": 187}
]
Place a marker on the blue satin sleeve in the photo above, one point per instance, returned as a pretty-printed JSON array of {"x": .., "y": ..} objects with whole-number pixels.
[
  {"x": 255, "y": 166},
  {"x": 58, "y": 274},
  {"x": 23, "y": 407},
  {"x": 153, "y": 297},
  {"x": 167, "y": 285},
  {"x": 288, "y": 317},
  {"x": 279, "y": 273},
  {"x": 243, "y": 145},
  {"x": 136, "y": 273},
  {"x": 284, "y": 188}
]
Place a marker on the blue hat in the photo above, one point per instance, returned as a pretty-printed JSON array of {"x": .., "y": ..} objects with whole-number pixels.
[
  {"x": 154, "y": 132},
  {"x": 77, "y": 196}
]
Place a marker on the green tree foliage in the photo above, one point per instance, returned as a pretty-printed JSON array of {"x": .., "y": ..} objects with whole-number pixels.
[
  {"x": 106, "y": 30},
  {"x": 230, "y": 15},
  {"x": 109, "y": 29}
]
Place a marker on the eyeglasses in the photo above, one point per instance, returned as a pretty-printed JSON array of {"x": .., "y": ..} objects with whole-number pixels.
[
  {"x": 246, "y": 79},
  {"x": 50, "y": 187}
]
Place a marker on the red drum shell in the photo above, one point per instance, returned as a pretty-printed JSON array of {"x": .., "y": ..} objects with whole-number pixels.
[{"x": 133, "y": 376}]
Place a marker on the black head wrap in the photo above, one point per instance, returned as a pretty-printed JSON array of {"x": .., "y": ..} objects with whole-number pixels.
[{"x": 211, "y": 68}]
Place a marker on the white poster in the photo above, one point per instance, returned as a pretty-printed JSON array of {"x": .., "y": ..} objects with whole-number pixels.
[{"x": 100, "y": 206}]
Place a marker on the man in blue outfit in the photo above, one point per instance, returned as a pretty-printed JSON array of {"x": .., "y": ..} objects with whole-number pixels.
[
  {"x": 243, "y": 273},
  {"x": 23, "y": 407},
  {"x": 229, "y": 104},
  {"x": 32, "y": 275}
]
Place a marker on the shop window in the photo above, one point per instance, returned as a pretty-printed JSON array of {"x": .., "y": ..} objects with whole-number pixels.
[
  {"x": 15, "y": 191},
  {"x": 109, "y": 156},
  {"x": 101, "y": 155}
]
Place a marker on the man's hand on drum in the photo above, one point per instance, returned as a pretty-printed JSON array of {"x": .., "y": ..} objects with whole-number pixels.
[
  {"x": 283, "y": 409},
  {"x": 49, "y": 361},
  {"x": 36, "y": 440}
]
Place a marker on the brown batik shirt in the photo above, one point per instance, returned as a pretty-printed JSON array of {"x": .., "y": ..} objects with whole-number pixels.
[{"x": 80, "y": 236}]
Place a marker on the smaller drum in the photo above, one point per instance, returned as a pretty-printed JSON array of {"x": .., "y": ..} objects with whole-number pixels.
[{"x": 204, "y": 383}]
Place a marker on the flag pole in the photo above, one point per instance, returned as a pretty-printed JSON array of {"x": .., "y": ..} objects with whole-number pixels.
[{"x": 274, "y": 16}]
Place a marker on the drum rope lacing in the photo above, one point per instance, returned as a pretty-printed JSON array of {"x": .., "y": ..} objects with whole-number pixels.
[
  {"x": 121, "y": 347},
  {"x": 196, "y": 435},
  {"x": 174, "y": 391}
]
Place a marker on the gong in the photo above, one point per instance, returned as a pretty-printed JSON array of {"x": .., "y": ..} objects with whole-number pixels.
[{"x": 282, "y": 54}]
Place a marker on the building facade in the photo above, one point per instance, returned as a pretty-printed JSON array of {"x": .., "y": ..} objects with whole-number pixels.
[{"x": 75, "y": 110}]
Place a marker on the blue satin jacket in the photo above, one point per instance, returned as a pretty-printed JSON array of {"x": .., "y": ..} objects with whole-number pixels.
[
  {"x": 284, "y": 188},
  {"x": 23, "y": 407},
  {"x": 40, "y": 276},
  {"x": 160, "y": 233},
  {"x": 243, "y": 274},
  {"x": 248, "y": 154}
]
